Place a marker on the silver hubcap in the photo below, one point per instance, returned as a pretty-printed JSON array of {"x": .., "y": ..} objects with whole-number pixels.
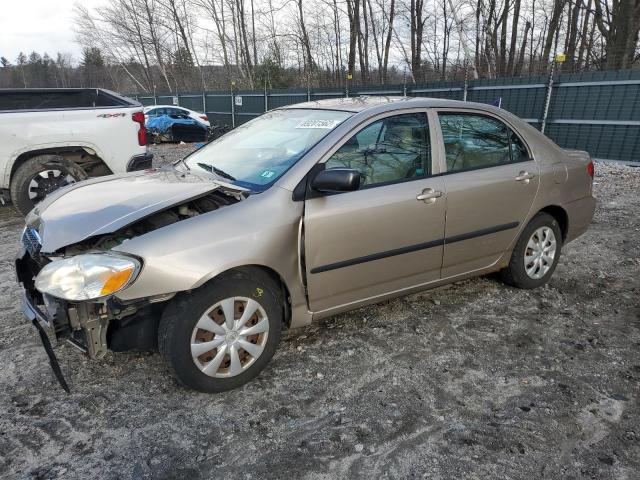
[
  {"x": 229, "y": 337},
  {"x": 540, "y": 253}
]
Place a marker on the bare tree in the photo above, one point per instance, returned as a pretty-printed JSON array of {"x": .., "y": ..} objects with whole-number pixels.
[
  {"x": 619, "y": 23},
  {"x": 174, "y": 45},
  {"x": 558, "y": 6},
  {"x": 417, "y": 21}
]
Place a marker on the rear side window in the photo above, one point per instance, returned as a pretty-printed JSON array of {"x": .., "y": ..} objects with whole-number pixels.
[
  {"x": 478, "y": 141},
  {"x": 393, "y": 149}
]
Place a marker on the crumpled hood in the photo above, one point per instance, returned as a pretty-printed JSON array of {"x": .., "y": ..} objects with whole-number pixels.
[{"x": 106, "y": 204}]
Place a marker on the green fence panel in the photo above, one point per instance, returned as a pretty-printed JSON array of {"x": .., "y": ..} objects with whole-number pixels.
[
  {"x": 192, "y": 101},
  {"x": 600, "y": 97},
  {"x": 613, "y": 142},
  {"x": 377, "y": 90},
  {"x": 282, "y": 98},
  {"x": 218, "y": 108},
  {"x": 521, "y": 96},
  {"x": 249, "y": 103},
  {"x": 594, "y": 111},
  {"x": 219, "y": 119},
  {"x": 450, "y": 90},
  {"x": 145, "y": 101},
  {"x": 165, "y": 99}
]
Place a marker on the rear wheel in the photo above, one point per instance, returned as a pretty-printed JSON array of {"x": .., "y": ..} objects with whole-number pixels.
[
  {"x": 536, "y": 254},
  {"x": 39, "y": 176},
  {"x": 222, "y": 335}
]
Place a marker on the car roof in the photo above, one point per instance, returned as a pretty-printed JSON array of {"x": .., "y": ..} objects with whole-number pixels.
[{"x": 364, "y": 102}]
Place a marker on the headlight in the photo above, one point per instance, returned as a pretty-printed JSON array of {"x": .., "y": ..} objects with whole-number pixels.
[{"x": 86, "y": 277}]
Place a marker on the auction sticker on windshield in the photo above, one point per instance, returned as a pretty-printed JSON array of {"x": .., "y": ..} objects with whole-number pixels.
[{"x": 328, "y": 124}]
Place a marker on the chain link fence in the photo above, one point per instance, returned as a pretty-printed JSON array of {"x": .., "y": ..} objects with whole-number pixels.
[{"x": 594, "y": 111}]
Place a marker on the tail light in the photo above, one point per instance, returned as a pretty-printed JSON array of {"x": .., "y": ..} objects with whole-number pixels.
[
  {"x": 204, "y": 117},
  {"x": 590, "y": 169},
  {"x": 138, "y": 117}
]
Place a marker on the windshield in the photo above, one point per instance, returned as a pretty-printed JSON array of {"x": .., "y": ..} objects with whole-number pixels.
[{"x": 256, "y": 154}]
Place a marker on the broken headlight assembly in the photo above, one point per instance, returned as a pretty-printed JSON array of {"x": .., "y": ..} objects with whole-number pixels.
[{"x": 87, "y": 276}]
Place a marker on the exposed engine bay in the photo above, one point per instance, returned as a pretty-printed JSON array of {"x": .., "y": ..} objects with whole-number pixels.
[
  {"x": 96, "y": 326},
  {"x": 177, "y": 213}
]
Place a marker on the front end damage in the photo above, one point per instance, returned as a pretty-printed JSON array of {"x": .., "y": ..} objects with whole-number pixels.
[
  {"x": 98, "y": 325},
  {"x": 93, "y": 326}
]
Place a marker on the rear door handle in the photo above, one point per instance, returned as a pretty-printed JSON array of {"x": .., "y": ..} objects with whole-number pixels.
[
  {"x": 429, "y": 195},
  {"x": 524, "y": 177}
]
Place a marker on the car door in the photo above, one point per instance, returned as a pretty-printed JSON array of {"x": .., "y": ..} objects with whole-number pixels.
[
  {"x": 386, "y": 236},
  {"x": 491, "y": 181}
]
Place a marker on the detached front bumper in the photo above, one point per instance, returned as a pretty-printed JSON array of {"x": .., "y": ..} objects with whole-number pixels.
[
  {"x": 33, "y": 313},
  {"x": 41, "y": 320}
]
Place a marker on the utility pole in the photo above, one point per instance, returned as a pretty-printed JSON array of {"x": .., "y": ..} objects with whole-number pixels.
[{"x": 558, "y": 58}]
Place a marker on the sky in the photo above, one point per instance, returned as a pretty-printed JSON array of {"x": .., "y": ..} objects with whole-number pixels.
[{"x": 40, "y": 25}]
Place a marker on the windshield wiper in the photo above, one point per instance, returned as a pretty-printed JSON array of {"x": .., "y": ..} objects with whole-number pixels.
[
  {"x": 184, "y": 163},
  {"x": 217, "y": 171}
]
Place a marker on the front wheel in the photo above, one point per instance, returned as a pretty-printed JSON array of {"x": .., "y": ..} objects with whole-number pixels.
[
  {"x": 222, "y": 335},
  {"x": 536, "y": 254}
]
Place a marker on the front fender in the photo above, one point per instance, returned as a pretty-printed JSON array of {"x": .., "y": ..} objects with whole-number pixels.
[{"x": 261, "y": 230}]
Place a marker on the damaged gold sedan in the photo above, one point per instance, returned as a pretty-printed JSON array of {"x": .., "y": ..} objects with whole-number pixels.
[{"x": 302, "y": 213}]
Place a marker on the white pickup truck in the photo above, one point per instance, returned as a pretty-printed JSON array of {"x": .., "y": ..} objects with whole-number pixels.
[{"x": 52, "y": 137}]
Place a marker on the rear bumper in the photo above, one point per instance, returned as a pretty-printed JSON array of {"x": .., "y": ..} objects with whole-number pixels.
[
  {"x": 140, "y": 162},
  {"x": 580, "y": 213}
]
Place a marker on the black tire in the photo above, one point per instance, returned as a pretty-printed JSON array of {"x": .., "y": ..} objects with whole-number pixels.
[
  {"x": 515, "y": 273},
  {"x": 183, "y": 313},
  {"x": 30, "y": 169}
]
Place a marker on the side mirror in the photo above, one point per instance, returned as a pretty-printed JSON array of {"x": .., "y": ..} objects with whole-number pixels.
[{"x": 336, "y": 180}]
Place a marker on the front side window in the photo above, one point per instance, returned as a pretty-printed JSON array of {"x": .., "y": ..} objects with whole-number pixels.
[
  {"x": 392, "y": 149},
  {"x": 257, "y": 153},
  {"x": 478, "y": 141}
]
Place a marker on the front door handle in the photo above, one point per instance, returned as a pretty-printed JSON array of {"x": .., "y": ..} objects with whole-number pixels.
[
  {"x": 429, "y": 195},
  {"x": 524, "y": 177}
]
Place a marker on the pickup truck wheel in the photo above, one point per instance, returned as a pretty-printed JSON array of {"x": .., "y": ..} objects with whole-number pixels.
[
  {"x": 536, "y": 253},
  {"x": 222, "y": 335},
  {"x": 39, "y": 176}
]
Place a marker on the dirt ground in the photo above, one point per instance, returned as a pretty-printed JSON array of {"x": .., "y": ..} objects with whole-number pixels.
[{"x": 471, "y": 381}]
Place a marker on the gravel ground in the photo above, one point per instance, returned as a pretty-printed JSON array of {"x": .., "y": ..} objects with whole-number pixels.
[{"x": 473, "y": 380}]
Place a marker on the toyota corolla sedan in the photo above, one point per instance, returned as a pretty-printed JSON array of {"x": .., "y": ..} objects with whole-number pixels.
[{"x": 304, "y": 212}]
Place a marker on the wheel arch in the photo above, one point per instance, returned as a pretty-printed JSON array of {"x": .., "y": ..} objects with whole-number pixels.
[
  {"x": 561, "y": 216},
  {"x": 77, "y": 154},
  {"x": 264, "y": 272}
]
